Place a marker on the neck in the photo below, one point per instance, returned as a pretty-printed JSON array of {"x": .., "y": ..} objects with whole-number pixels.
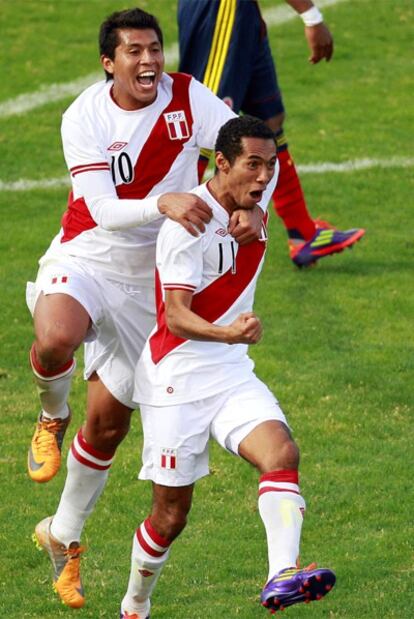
[{"x": 221, "y": 194}]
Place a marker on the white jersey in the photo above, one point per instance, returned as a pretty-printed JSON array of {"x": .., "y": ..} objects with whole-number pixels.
[
  {"x": 121, "y": 162},
  {"x": 222, "y": 277}
]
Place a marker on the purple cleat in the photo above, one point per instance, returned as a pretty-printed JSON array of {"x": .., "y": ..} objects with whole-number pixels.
[
  {"x": 325, "y": 242},
  {"x": 293, "y": 585}
]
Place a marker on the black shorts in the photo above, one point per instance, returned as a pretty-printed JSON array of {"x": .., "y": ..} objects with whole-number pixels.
[{"x": 224, "y": 44}]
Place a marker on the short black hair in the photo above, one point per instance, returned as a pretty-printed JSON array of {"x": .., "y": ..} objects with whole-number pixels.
[
  {"x": 229, "y": 138},
  {"x": 129, "y": 18}
]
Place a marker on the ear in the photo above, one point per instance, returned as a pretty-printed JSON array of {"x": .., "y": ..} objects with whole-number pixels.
[
  {"x": 107, "y": 64},
  {"x": 222, "y": 163}
]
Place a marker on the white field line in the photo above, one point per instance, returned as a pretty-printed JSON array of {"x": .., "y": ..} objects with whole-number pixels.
[
  {"x": 309, "y": 168},
  {"x": 55, "y": 92}
]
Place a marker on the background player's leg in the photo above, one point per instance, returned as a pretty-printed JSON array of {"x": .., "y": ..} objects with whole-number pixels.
[
  {"x": 309, "y": 240},
  {"x": 288, "y": 198}
]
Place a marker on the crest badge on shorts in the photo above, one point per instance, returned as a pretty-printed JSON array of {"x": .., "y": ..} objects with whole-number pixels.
[
  {"x": 168, "y": 458},
  {"x": 177, "y": 125}
]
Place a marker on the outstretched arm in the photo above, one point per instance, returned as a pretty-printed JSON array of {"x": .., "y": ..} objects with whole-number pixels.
[
  {"x": 317, "y": 34},
  {"x": 183, "y": 322}
]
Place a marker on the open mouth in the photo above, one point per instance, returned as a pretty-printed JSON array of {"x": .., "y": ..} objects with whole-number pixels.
[
  {"x": 147, "y": 78},
  {"x": 256, "y": 195}
]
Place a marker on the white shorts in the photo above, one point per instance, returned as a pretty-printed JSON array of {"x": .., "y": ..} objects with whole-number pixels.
[
  {"x": 122, "y": 317},
  {"x": 176, "y": 437}
]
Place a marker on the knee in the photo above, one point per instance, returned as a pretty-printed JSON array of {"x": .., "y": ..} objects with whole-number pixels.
[
  {"x": 106, "y": 435},
  {"x": 170, "y": 521},
  {"x": 283, "y": 456},
  {"x": 276, "y": 122},
  {"x": 53, "y": 349}
]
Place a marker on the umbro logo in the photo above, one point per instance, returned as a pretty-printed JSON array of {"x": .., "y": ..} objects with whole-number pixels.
[
  {"x": 221, "y": 232},
  {"x": 146, "y": 573},
  {"x": 117, "y": 146}
]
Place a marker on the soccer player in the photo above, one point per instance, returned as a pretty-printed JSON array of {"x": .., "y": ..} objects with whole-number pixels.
[
  {"x": 131, "y": 144},
  {"x": 224, "y": 44},
  {"x": 195, "y": 380}
]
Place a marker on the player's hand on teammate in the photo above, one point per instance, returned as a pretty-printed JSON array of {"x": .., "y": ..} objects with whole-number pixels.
[
  {"x": 246, "y": 225},
  {"x": 246, "y": 329},
  {"x": 187, "y": 209},
  {"x": 320, "y": 42}
]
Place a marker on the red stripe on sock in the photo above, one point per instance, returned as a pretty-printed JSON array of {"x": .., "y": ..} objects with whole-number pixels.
[
  {"x": 86, "y": 462},
  {"x": 289, "y": 475},
  {"x": 289, "y": 201},
  {"x": 156, "y": 537},
  {"x": 41, "y": 370},
  {"x": 101, "y": 455},
  {"x": 148, "y": 549}
]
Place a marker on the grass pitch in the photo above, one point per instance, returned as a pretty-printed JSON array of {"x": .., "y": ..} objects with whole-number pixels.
[{"x": 337, "y": 350}]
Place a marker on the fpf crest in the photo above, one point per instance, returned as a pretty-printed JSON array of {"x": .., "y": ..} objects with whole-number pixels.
[{"x": 177, "y": 125}]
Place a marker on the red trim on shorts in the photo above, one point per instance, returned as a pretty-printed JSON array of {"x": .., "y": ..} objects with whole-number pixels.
[
  {"x": 41, "y": 370},
  {"x": 101, "y": 455},
  {"x": 86, "y": 462},
  {"x": 289, "y": 475}
]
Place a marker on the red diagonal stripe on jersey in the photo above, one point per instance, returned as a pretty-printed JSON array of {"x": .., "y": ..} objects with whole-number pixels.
[
  {"x": 150, "y": 167},
  {"x": 76, "y": 219},
  {"x": 213, "y": 301}
]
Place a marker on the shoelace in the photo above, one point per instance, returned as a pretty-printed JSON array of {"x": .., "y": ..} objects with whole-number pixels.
[
  {"x": 47, "y": 431},
  {"x": 73, "y": 564},
  {"x": 310, "y": 567}
]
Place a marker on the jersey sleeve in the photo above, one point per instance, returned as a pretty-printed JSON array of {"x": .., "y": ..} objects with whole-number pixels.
[
  {"x": 92, "y": 180},
  {"x": 179, "y": 258},
  {"x": 209, "y": 112}
]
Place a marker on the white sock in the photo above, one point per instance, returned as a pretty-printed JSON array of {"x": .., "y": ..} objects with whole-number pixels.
[
  {"x": 88, "y": 470},
  {"x": 150, "y": 552},
  {"x": 53, "y": 387},
  {"x": 281, "y": 508}
]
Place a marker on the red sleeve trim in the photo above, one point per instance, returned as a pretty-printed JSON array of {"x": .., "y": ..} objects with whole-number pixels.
[
  {"x": 179, "y": 287},
  {"x": 91, "y": 167}
]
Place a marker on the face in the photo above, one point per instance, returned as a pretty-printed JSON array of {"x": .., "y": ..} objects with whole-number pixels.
[
  {"x": 136, "y": 68},
  {"x": 248, "y": 177}
]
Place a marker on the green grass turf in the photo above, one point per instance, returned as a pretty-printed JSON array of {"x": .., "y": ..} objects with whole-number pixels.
[{"x": 337, "y": 349}]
